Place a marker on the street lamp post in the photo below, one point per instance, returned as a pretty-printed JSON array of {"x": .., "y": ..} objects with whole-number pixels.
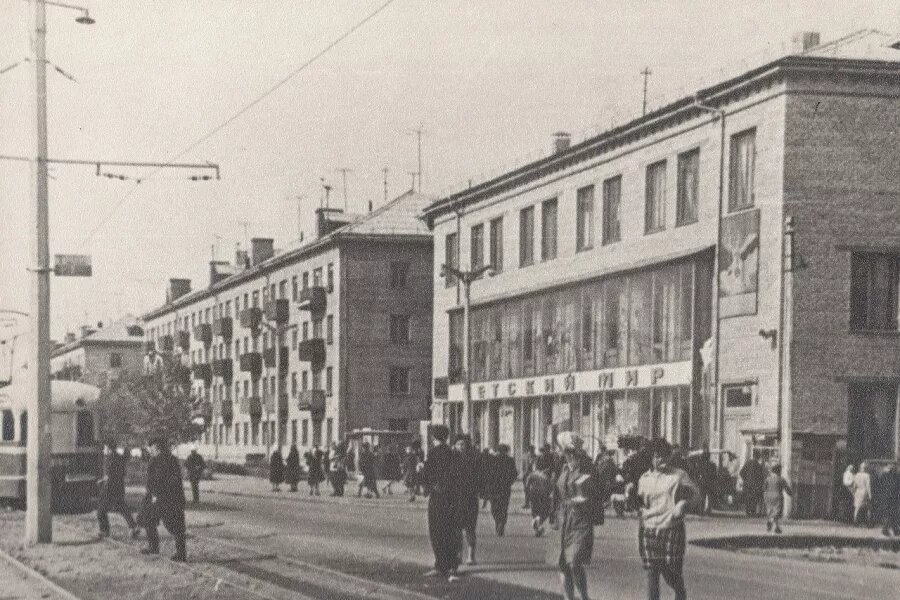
[
  {"x": 466, "y": 278},
  {"x": 38, "y": 518}
]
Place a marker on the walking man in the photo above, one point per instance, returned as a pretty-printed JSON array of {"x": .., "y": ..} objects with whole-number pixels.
[
  {"x": 165, "y": 500},
  {"x": 369, "y": 471},
  {"x": 195, "y": 466},
  {"x": 112, "y": 493},
  {"x": 468, "y": 466},
  {"x": 439, "y": 476},
  {"x": 503, "y": 474},
  {"x": 753, "y": 475}
]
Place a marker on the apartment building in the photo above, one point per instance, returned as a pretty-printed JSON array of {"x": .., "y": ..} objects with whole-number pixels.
[
  {"x": 350, "y": 313},
  {"x": 99, "y": 354},
  {"x": 722, "y": 272}
]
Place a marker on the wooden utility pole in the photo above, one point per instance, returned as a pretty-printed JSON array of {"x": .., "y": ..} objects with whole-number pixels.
[
  {"x": 646, "y": 73},
  {"x": 343, "y": 171}
]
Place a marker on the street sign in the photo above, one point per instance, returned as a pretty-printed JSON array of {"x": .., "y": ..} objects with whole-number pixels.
[{"x": 72, "y": 265}]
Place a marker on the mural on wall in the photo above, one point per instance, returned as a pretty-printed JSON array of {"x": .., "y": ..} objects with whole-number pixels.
[{"x": 739, "y": 264}]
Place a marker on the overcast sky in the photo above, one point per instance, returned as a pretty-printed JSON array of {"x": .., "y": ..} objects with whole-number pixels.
[{"x": 488, "y": 81}]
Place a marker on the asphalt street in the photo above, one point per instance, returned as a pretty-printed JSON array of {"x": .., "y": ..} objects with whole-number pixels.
[{"x": 386, "y": 541}]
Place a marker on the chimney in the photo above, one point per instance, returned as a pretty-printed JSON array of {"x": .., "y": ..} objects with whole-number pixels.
[
  {"x": 70, "y": 337},
  {"x": 561, "y": 141},
  {"x": 178, "y": 288},
  {"x": 261, "y": 250},
  {"x": 241, "y": 259},
  {"x": 86, "y": 331},
  {"x": 218, "y": 270},
  {"x": 328, "y": 219},
  {"x": 802, "y": 41},
  {"x": 99, "y": 324}
]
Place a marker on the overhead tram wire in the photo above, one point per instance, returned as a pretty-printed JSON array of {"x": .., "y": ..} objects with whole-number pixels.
[{"x": 246, "y": 108}]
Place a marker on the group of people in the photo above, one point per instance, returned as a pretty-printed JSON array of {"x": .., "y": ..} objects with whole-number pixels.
[
  {"x": 566, "y": 489},
  {"x": 873, "y": 496}
]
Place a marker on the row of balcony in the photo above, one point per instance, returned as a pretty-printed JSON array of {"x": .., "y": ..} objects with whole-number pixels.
[
  {"x": 313, "y": 299},
  {"x": 311, "y": 351}
]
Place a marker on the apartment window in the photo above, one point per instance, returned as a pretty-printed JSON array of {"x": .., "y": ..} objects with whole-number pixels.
[
  {"x": 548, "y": 229},
  {"x": 330, "y": 277},
  {"x": 655, "y": 207},
  {"x": 738, "y": 396},
  {"x": 872, "y": 408},
  {"x": 873, "y": 291},
  {"x": 451, "y": 257},
  {"x": 477, "y": 243},
  {"x": 304, "y": 432},
  {"x": 246, "y": 435},
  {"x": 612, "y": 197},
  {"x": 399, "y": 271},
  {"x": 584, "y": 226},
  {"x": 317, "y": 380},
  {"x": 329, "y": 329},
  {"x": 496, "y": 244},
  {"x": 317, "y": 329},
  {"x": 400, "y": 329},
  {"x": 329, "y": 381},
  {"x": 293, "y": 338},
  {"x": 255, "y": 299},
  {"x": 293, "y": 385},
  {"x": 526, "y": 236},
  {"x": 293, "y": 432},
  {"x": 317, "y": 277},
  {"x": 9, "y": 426},
  {"x": 399, "y": 382},
  {"x": 305, "y": 380},
  {"x": 688, "y": 187},
  {"x": 305, "y": 330},
  {"x": 282, "y": 288},
  {"x": 742, "y": 168},
  {"x": 272, "y": 292},
  {"x": 294, "y": 288},
  {"x": 115, "y": 360},
  {"x": 306, "y": 280},
  {"x": 329, "y": 430}
]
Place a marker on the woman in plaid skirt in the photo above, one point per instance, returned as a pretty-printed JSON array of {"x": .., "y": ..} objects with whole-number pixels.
[{"x": 664, "y": 493}]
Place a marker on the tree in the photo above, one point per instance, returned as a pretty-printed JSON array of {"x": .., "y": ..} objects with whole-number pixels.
[{"x": 138, "y": 407}]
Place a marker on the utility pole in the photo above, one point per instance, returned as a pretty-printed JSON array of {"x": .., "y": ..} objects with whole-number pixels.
[
  {"x": 418, "y": 133},
  {"x": 646, "y": 73},
  {"x": 343, "y": 171},
  {"x": 384, "y": 171},
  {"x": 299, "y": 217}
]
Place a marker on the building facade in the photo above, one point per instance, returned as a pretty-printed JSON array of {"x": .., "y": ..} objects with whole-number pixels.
[
  {"x": 351, "y": 313},
  {"x": 99, "y": 355},
  {"x": 722, "y": 272}
]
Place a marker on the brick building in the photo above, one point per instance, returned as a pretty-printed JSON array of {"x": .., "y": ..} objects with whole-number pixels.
[
  {"x": 605, "y": 313},
  {"x": 95, "y": 356},
  {"x": 351, "y": 311}
]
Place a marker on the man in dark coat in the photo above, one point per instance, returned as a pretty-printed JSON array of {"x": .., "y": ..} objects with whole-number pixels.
[
  {"x": 368, "y": 468},
  {"x": 606, "y": 473},
  {"x": 439, "y": 476},
  {"x": 276, "y": 470},
  {"x": 195, "y": 466},
  {"x": 292, "y": 468},
  {"x": 890, "y": 501},
  {"x": 753, "y": 475},
  {"x": 467, "y": 463},
  {"x": 165, "y": 500},
  {"x": 503, "y": 474},
  {"x": 112, "y": 493}
]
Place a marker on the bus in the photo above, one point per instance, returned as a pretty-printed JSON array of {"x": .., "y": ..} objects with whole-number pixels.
[{"x": 77, "y": 459}]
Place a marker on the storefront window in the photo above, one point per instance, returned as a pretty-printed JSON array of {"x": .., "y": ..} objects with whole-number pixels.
[
  {"x": 550, "y": 329},
  {"x": 640, "y": 334},
  {"x": 615, "y": 323},
  {"x": 568, "y": 332},
  {"x": 454, "y": 366},
  {"x": 513, "y": 316},
  {"x": 497, "y": 362},
  {"x": 478, "y": 350},
  {"x": 665, "y": 310}
]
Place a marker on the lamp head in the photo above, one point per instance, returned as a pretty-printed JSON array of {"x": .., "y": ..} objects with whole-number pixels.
[{"x": 85, "y": 19}]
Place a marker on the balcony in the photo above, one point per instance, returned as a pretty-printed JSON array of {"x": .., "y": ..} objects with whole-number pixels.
[
  {"x": 223, "y": 368},
  {"x": 313, "y": 299},
  {"x": 312, "y": 350},
  {"x": 251, "y": 362},
  {"x": 254, "y": 409},
  {"x": 269, "y": 358},
  {"x": 183, "y": 340},
  {"x": 227, "y": 412},
  {"x": 251, "y": 318},
  {"x": 278, "y": 311},
  {"x": 223, "y": 328},
  {"x": 203, "y": 333},
  {"x": 166, "y": 343},
  {"x": 312, "y": 400},
  {"x": 203, "y": 371}
]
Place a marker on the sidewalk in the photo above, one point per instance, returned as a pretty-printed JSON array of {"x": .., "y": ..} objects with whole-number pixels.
[{"x": 19, "y": 584}]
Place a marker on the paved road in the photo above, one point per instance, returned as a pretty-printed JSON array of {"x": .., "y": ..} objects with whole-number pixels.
[{"x": 386, "y": 541}]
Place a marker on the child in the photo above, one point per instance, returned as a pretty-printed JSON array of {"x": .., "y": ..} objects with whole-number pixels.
[{"x": 774, "y": 489}]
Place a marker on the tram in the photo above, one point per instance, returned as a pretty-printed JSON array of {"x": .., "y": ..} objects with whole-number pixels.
[{"x": 77, "y": 460}]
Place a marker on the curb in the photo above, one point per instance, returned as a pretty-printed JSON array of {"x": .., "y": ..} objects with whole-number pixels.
[
  {"x": 799, "y": 541},
  {"x": 20, "y": 566}
]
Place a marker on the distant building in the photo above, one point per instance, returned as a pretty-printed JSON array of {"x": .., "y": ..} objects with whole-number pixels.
[
  {"x": 96, "y": 356},
  {"x": 353, "y": 308},
  {"x": 722, "y": 272}
]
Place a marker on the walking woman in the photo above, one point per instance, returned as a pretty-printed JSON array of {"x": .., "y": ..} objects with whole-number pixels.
[
  {"x": 664, "y": 493},
  {"x": 276, "y": 471},
  {"x": 292, "y": 468},
  {"x": 774, "y": 489},
  {"x": 579, "y": 506},
  {"x": 862, "y": 495},
  {"x": 314, "y": 475}
]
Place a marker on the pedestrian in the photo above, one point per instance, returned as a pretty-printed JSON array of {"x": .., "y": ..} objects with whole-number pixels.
[
  {"x": 292, "y": 468},
  {"x": 862, "y": 495},
  {"x": 391, "y": 469},
  {"x": 503, "y": 475},
  {"x": 664, "y": 493},
  {"x": 164, "y": 500},
  {"x": 707, "y": 473},
  {"x": 527, "y": 468},
  {"x": 195, "y": 467},
  {"x": 605, "y": 464},
  {"x": 469, "y": 475},
  {"x": 338, "y": 472},
  {"x": 325, "y": 460},
  {"x": 633, "y": 468},
  {"x": 314, "y": 474},
  {"x": 368, "y": 468},
  {"x": 847, "y": 492},
  {"x": 112, "y": 492},
  {"x": 544, "y": 459},
  {"x": 890, "y": 515},
  {"x": 539, "y": 489},
  {"x": 774, "y": 489},
  {"x": 410, "y": 470},
  {"x": 753, "y": 476},
  {"x": 276, "y": 470},
  {"x": 579, "y": 507},
  {"x": 439, "y": 476},
  {"x": 487, "y": 459}
]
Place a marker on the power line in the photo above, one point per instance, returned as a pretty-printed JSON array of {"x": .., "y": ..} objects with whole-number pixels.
[{"x": 246, "y": 108}]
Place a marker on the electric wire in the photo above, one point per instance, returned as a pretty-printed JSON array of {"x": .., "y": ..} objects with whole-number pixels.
[{"x": 246, "y": 108}]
